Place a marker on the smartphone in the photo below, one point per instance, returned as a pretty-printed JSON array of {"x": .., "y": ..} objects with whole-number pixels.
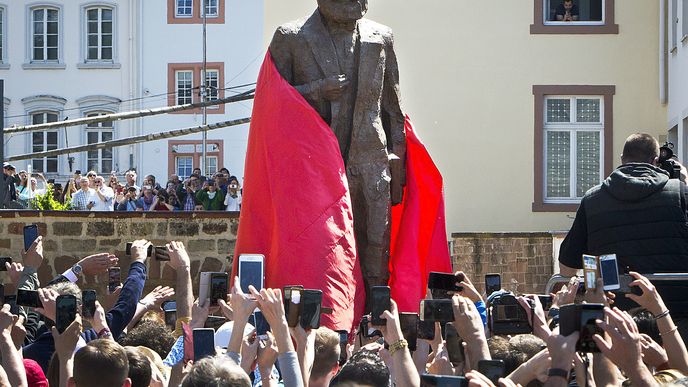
[
  {"x": 11, "y": 300},
  {"x": 65, "y": 311},
  {"x": 381, "y": 303},
  {"x": 203, "y": 343},
  {"x": 260, "y": 323},
  {"x": 581, "y": 318},
  {"x": 343, "y": 341},
  {"x": 219, "y": 287},
  {"x": 546, "y": 301},
  {"x": 171, "y": 318},
  {"x": 4, "y": 260},
  {"x": 214, "y": 322},
  {"x": 128, "y": 249},
  {"x": 169, "y": 305},
  {"x": 409, "y": 328},
  {"x": 310, "y": 310},
  {"x": 625, "y": 285},
  {"x": 454, "y": 344},
  {"x": 426, "y": 330},
  {"x": 28, "y": 298},
  {"x": 591, "y": 270},
  {"x": 429, "y": 380},
  {"x": 492, "y": 369},
  {"x": 436, "y": 310},
  {"x": 444, "y": 281},
  {"x": 88, "y": 303},
  {"x": 609, "y": 271},
  {"x": 292, "y": 304},
  {"x": 2, "y": 294},
  {"x": 114, "y": 279},
  {"x": 30, "y": 236},
  {"x": 493, "y": 283},
  {"x": 251, "y": 271}
]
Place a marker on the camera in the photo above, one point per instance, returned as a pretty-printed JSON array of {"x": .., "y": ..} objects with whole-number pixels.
[
  {"x": 581, "y": 318},
  {"x": 365, "y": 329},
  {"x": 667, "y": 161},
  {"x": 506, "y": 316}
]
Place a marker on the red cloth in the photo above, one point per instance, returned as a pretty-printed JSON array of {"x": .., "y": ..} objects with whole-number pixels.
[
  {"x": 296, "y": 207},
  {"x": 419, "y": 235}
]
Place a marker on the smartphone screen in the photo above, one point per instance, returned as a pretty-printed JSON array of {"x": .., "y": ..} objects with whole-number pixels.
[
  {"x": 114, "y": 278},
  {"x": 88, "y": 298},
  {"x": 381, "y": 302},
  {"x": 11, "y": 300},
  {"x": 65, "y": 311},
  {"x": 311, "y": 301},
  {"x": 28, "y": 298},
  {"x": 169, "y": 305},
  {"x": 260, "y": 323},
  {"x": 250, "y": 272},
  {"x": 343, "y": 341},
  {"x": 171, "y": 318},
  {"x": 443, "y": 281},
  {"x": 4, "y": 260},
  {"x": 588, "y": 328},
  {"x": 203, "y": 343},
  {"x": 546, "y": 301},
  {"x": 2, "y": 294},
  {"x": 492, "y": 369},
  {"x": 409, "y": 328},
  {"x": 437, "y": 310},
  {"x": 30, "y": 235},
  {"x": 454, "y": 344},
  {"x": 219, "y": 285},
  {"x": 609, "y": 272},
  {"x": 590, "y": 270},
  {"x": 493, "y": 283}
]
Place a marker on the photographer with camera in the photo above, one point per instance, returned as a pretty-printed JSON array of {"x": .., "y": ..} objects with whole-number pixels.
[
  {"x": 186, "y": 193},
  {"x": 638, "y": 213}
]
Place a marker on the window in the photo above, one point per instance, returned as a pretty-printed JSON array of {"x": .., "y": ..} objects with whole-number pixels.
[
  {"x": 184, "y": 166},
  {"x": 573, "y": 148},
  {"x": 99, "y": 160},
  {"x": 184, "y": 8},
  {"x": 185, "y": 79},
  {"x": 99, "y": 35},
  {"x": 212, "y": 85},
  {"x": 573, "y": 128},
  {"x": 44, "y": 141},
  {"x": 573, "y": 17},
  {"x": 192, "y": 11},
  {"x": 45, "y": 33},
  {"x": 2, "y": 34},
  {"x": 184, "y": 88},
  {"x": 211, "y": 168},
  {"x": 211, "y": 8}
]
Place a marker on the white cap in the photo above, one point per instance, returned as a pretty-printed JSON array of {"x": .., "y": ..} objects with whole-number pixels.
[{"x": 224, "y": 332}]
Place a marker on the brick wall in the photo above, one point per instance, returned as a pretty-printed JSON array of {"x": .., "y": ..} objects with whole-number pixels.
[
  {"x": 524, "y": 260},
  {"x": 68, "y": 236}
]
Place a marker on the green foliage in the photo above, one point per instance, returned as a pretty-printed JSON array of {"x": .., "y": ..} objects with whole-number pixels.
[{"x": 46, "y": 202}]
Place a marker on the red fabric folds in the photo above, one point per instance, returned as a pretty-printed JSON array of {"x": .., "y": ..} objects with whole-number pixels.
[
  {"x": 296, "y": 206},
  {"x": 419, "y": 235}
]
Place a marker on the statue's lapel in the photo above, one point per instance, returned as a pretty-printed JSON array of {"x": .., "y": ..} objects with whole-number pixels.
[{"x": 321, "y": 44}]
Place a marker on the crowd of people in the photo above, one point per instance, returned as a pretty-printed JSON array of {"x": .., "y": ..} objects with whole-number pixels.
[
  {"x": 127, "y": 341},
  {"x": 91, "y": 192}
]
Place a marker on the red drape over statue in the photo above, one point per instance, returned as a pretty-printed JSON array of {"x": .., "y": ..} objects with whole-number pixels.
[{"x": 296, "y": 208}]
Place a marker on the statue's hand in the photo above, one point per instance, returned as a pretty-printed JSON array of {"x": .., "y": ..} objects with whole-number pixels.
[{"x": 332, "y": 87}]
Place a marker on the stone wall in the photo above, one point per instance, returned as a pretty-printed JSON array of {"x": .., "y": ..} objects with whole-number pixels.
[
  {"x": 209, "y": 237},
  {"x": 524, "y": 260}
]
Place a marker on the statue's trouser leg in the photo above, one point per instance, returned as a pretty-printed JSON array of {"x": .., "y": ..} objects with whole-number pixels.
[{"x": 369, "y": 185}]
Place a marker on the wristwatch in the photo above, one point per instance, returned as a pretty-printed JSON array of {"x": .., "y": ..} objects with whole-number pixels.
[{"x": 77, "y": 269}]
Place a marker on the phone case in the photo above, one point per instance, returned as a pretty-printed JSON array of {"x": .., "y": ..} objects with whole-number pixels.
[{"x": 591, "y": 271}]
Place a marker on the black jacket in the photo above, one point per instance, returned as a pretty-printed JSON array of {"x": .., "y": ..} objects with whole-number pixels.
[{"x": 637, "y": 213}]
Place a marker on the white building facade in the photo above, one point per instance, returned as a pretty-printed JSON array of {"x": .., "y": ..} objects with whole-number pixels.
[
  {"x": 65, "y": 59},
  {"x": 676, "y": 55}
]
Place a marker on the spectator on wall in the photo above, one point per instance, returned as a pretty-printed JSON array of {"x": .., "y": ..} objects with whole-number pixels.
[
  {"x": 211, "y": 197},
  {"x": 84, "y": 199},
  {"x": 130, "y": 177},
  {"x": 186, "y": 194},
  {"x": 233, "y": 197},
  {"x": 128, "y": 201},
  {"x": 105, "y": 196}
]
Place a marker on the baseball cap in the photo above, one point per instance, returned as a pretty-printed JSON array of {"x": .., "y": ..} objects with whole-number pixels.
[{"x": 6, "y": 165}]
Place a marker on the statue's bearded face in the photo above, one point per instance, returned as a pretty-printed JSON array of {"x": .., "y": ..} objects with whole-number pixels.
[{"x": 343, "y": 10}]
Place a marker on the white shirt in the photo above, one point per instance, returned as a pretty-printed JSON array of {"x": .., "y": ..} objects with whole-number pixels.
[
  {"x": 107, "y": 204},
  {"x": 81, "y": 198},
  {"x": 231, "y": 203}
]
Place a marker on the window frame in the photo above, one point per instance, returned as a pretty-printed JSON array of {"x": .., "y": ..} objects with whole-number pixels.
[
  {"x": 100, "y": 129},
  {"x": 541, "y": 93},
  {"x": 572, "y": 128},
  {"x": 29, "y": 62},
  {"x": 45, "y": 47},
  {"x": 217, "y": 167},
  {"x": 196, "y": 155},
  {"x": 180, "y": 15},
  {"x": 177, "y": 158},
  {"x": 205, "y": 4},
  {"x": 44, "y": 145},
  {"x": 196, "y": 17},
  {"x": 99, "y": 8},
  {"x": 4, "y": 63},
  {"x": 541, "y": 26},
  {"x": 177, "y": 87},
  {"x": 197, "y": 70}
]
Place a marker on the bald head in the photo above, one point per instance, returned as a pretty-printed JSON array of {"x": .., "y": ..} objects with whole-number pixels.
[{"x": 343, "y": 11}]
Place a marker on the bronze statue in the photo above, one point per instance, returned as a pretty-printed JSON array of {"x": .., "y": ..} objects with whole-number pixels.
[{"x": 346, "y": 68}]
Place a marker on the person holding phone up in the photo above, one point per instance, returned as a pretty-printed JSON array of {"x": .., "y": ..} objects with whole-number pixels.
[{"x": 85, "y": 198}]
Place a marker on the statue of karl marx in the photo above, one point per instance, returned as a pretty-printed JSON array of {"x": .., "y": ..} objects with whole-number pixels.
[{"x": 346, "y": 68}]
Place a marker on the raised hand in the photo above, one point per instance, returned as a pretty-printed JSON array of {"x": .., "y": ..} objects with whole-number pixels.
[
  {"x": 98, "y": 263},
  {"x": 34, "y": 256},
  {"x": 179, "y": 258}
]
